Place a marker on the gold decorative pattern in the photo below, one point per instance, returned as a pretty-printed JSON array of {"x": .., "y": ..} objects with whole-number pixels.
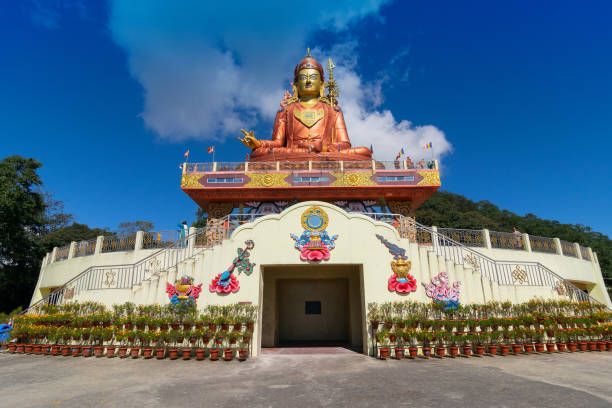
[
  {"x": 561, "y": 288},
  {"x": 353, "y": 179},
  {"x": 316, "y": 214},
  {"x": 190, "y": 181},
  {"x": 400, "y": 207},
  {"x": 268, "y": 180},
  {"x": 110, "y": 278},
  {"x": 429, "y": 178},
  {"x": 309, "y": 117},
  {"x": 219, "y": 210},
  {"x": 472, "y": 260},
  {"x": 69, "y": 293},
  {"x": 519, "y": 275}
]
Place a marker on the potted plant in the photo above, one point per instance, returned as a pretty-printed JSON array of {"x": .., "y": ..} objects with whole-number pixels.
[
  {"x": 454, "y": 341},
  {"x": 243, "y": 351},
  {"x": 425, "y": 338},
  {"x": 561, "y": 337},
  {"x": 399, "y": 346},
  {"x": 146, "y": 339},
  {"x": 176, "y": 338},
  {"x": 409, "y": 339},
  {"x": 493, "y": 338},
  {"x": 517, "y": 337},
  {"x": 466, "y": 341},
  {"x": 122, "y": 338},
  {"x": 383, "y": 340}
]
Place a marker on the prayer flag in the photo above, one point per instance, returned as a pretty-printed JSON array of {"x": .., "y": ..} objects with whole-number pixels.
[
  {"x": 211, "y": 149},
  {"x": 186, "y": 153},
  {"x": 427, "y": 146}
]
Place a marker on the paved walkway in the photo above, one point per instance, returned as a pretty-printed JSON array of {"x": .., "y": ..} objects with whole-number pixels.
[{"x": 290, "y": 378}]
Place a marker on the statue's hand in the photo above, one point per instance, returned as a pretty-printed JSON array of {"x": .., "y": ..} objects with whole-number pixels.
[{"x": 249, "y": 140}]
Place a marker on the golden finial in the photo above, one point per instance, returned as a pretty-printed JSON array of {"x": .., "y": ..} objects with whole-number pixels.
[
  {"x": 308, "y": 53},
  {"x": 330, "y": 68}
]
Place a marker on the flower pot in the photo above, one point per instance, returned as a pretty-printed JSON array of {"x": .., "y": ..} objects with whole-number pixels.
[
  {"x": 228, "y": 354},
  {"x": 440, "y": 350},
  {"x": 237, "y": 326},
  {"x": 426, "y": 352},
  {"x": 467, "y": 350},
  {"x": 479, "y": 350},
  {"x": 75, "y": 350},
  {"x": 147, "y": 352},
  {"x": 192, "y": 340},
  {"x": 384, "y": 353},
  {"x": 571, "y": 346},
  {"x": 561, "y": 347},
  {"x": 211, "y": 326},
  {"x": 186, "y": 353},
  {"x": 550, "y": 347},
  {"x": 20, "y": 348},
  {"x": 250, "y": 326},
  {"x": 128, "y": 326},
  {"x": 233, "y": 340},
  {"x": 243, "y": 354},
  {"x": 55, "y": 350},
  {"x": 205, "y": 339},
  {"x": 110, "y": 351},
  {"x": 609, "y": 345},
  {"x": 4, "y": 346},
  {"x": 186, "y": 326},
  {"x": 98, "y": 351},
  {"x": 592, "y": 345},
  {"x": 36, "y": 348},
  {"x": 199, "y": 352},
  {"x": 65, "y": 351},
  {"x": 225, "y": 327},
  {"x": 492, "y": 349},
  {"x": 12, "y": 347},
  {"x": 582, "y": 345},
  {"x": 45, "y": 349},
  {"x": 122, "y": 352},
  {"x": 160, "y": 353},
  {"x": 601, "y": 345},
  {"x": 214, "y": 354},
  {"x": 173, "y": 353},
  {"x": 87, "y": 351},
  {"x": 504, "y": 349},
  {"x": 412, "y": 352},
  {"x": 134, "y": 352},
  {"x": 27, "y": 348},
  {"x": 163, "y": 326},
  {"x": 176, "y": 326},
  {"x": 454, "y": 351},
  {"x": 539, "y": 347},
  {"x": 399, "y": 352}
]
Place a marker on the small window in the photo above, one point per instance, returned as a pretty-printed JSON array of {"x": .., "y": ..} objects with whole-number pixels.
[
  {"x": 313, "y": 307},
  {"x": 395, "y": 178}
]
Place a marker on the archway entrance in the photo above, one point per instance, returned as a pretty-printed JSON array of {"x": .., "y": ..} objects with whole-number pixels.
[{"x": 312, "y": 305}]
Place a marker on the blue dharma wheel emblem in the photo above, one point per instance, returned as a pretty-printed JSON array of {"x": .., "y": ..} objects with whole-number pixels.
[{"x": 315, "y": 219}]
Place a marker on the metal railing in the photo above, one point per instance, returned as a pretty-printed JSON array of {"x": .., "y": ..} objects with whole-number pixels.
[
  {"x": 159, "y": 239},
  {"x": 506, "y": 240},
  {"x": 473, "y": 238},
  {"x": 116, "y": 243},
  {"x": 542, "y": 244},
  {"x": 370, "y": 165},
  {"x": 569, "y": 249},
  {"x": 84, "y": 248},
  {"x": 62, "y": 253}
]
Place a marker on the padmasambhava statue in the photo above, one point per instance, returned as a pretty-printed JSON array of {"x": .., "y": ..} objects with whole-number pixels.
[{"x": 308, "y": 126}]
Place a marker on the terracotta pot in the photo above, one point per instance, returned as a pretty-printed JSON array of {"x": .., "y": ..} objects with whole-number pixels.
[
  {"x": 186, "y": 326},
  {"x": 122, "y": 352},
  {"x": 12, "y": 347},
  {"x": 134, "y": 352},
  {"x": 492, "y": 349},
  {"x": 582, "y": 345},
  {"x": 163, "y": 326},
  {"x": 454, "y": 351},
  {"x": 147, "y": 352},
  {"x": 571, "y": 346},
  {"x": 384, "y": 353},
  {"x": 561, "y": 347},
  {"x": 426, "y": 352},
  {"x": 550, "y": 347},
  {"x": 392, "y": 338},
  {"x": 228, "y": 354},
  {"x": 211, "y": 326},
  {"x": 160, "y": 353},
  {"x": 601, "y": 345},
  {"x": 98, "y": 351},
  {"x": 65, "y": 351},
  {"x": 504, "y": 349},
  {"x": 75, "y": 350},
  {"x": 243, "y": 354},
  {"x": 250, "y": 326},
  {"x": 36, "y": 348},
  {"x": 412, "y": 352},
  {"x": 4, "y": 346},
  {"x": 246, "y": 340},
  {"x": 87, "y": 351},
  {"x": 205, "y": 339},
  {"x": 128, "y": 326},
  {"x": 20, "y": 348},
  {"x": 233, "y": 340},
  {"x": 592, "y": 345},
  {"x": 609, "y": 345},
  {"x": 399, "y": 352},
  {"x": 192, "y": 340},
  {"x": 539, "y": 347},
  {"x": 237, "y": 326},
  {"x": 27, "y": 348},
  {"x": 467, "y": 350},
  {"x": 55, "y": 350},
  {"x": 225, "y": 327},
  {"x": 110, "y": 351},
  {"x": 176, "y": 326},
  {"x": 479, "y": 350},
  {"x": 45, "y": 349},
  {"x": 186, "y": 353},
  {"x": 516, "y": 348},
  {"x": 173, "y": 353},
  {"x": 199, "y": 352},
  {"x": 440, "y": 351},
  {"x": 214, "y": 354}
]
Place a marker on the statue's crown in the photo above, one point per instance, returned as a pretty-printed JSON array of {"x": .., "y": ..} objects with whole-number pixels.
[{"x": 309, "y": 62}]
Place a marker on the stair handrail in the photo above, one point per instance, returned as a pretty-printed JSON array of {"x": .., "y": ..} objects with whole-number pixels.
[{"x": 186, "y": 245}]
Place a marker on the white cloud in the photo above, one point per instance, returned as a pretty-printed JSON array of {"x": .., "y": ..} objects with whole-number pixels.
[{"x": 209, "y": 69}]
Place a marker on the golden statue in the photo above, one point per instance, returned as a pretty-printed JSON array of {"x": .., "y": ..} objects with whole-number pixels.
[{"x": 309, "y": 125}]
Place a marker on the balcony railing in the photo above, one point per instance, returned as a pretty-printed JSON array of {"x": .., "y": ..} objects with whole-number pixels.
[
  {"x": 506, "y": 240},
  {"x": 473, "y": 238},
  {"x": 84, "y": 248}
]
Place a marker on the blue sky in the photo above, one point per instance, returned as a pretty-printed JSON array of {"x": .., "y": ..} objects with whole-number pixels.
[{"x": 108, "y": 96}]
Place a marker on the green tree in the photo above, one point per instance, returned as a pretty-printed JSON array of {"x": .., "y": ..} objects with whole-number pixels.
[
  {"x": 201, "y": 219},
  {"x": 65, "y": 235},
  {"x": 21, "y": 223}
]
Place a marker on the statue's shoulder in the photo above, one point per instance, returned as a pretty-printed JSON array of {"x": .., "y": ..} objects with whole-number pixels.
[
  {"x": 288, "y": 107},
  {"x": 329, "y": 106}
]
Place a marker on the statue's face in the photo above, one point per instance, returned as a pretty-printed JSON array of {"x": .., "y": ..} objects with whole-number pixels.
[{"x": 308, "y": 82}]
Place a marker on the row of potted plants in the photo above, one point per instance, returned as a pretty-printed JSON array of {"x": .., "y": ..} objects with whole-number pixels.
[{"x": 497, "y": 326}]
